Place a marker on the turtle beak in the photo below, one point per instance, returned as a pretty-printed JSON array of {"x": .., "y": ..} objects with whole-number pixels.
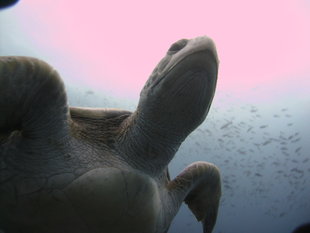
[{"x": 181, "y": 88}]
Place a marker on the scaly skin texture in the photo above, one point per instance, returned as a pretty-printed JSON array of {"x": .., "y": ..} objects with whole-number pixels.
[{"x": 84, "y": 170}]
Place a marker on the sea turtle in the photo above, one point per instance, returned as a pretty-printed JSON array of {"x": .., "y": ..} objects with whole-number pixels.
[{"x": 87, "y": 170}]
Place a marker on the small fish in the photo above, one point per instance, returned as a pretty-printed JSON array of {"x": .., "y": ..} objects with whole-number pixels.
[
  {"x": 247, "y": 172},
  {"x": 296, "y": 140},
  {"x": 242, "y": 152},
  {"x": 297, "y": 170},
  {"x": 89, "y": 92},
  {"x": 267, "y": 142},
  {"x": 282, "y": 215},
  {"x": 225, "y": 125},
  {"x": 257, "y": 145},
  {"x": 298, "y": 149}
]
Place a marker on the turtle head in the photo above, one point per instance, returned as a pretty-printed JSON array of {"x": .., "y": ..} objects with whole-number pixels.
[
  {"x": 174, "y": 101},
  {"x": 179, "y": 92}
]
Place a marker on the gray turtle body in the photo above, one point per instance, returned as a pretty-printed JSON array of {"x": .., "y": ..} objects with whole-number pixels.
[{"x": 84, "y": 170}]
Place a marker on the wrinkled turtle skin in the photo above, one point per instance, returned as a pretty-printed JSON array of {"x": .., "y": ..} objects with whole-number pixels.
[{"x": 88, "y": 170}]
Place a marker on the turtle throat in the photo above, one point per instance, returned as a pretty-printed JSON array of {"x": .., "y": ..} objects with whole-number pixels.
[{"x": 147, "y": 146}]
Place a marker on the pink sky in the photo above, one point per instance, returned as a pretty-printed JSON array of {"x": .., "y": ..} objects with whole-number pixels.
[{"x": 115, "y": 45}]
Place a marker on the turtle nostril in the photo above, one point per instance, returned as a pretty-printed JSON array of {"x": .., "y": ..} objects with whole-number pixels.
[{"x": 177, "y": 46}]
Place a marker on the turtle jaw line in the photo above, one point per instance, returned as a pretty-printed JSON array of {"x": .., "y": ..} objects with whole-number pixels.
[{"x": 198, "y": 62}]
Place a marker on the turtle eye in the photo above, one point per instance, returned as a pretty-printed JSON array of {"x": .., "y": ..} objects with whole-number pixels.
[{"x": 177, "y": 46}]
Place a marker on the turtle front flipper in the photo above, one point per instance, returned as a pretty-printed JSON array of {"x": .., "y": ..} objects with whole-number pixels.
[
  {"x": 199, "y": 185},
  {"x": 32, "y": 99}
]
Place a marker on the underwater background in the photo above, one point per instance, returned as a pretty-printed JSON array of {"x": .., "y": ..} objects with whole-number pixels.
[{"x": 257, "y": 131}]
